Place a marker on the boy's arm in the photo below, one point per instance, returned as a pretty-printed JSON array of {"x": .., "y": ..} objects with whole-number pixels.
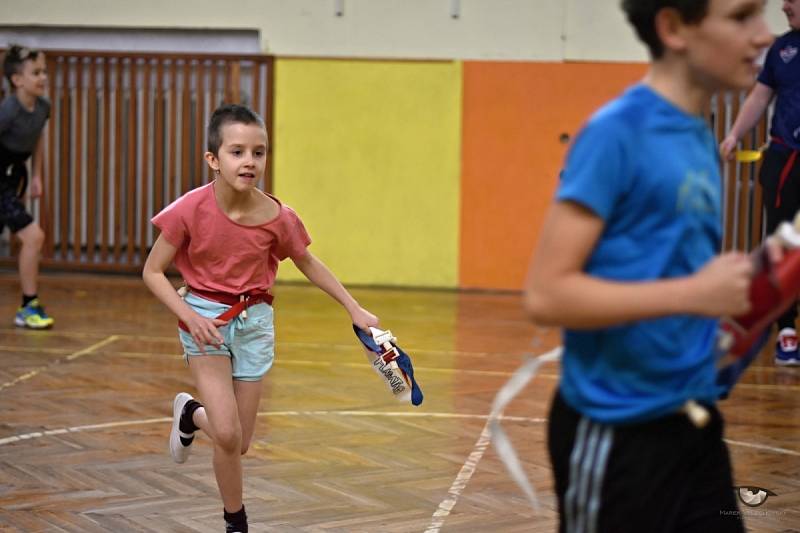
[
  {"x": 750, "y": 113},
  {"x": 203, "y": 330},
  {"x": 37, "y": 163},
  {"x": 558, "y": 292},
  {"x": 319, "y": 274}
]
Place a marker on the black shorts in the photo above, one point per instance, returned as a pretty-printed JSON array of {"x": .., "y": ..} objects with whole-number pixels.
[
  {"x": 660, "y": 476},
  {"x": 13, "y": 182}
]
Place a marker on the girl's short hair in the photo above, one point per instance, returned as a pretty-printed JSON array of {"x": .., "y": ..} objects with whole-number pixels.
[{"x": 229, "y": 114}]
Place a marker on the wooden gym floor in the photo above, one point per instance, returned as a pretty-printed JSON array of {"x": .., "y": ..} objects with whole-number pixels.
[{"x": 85, "y": 413}]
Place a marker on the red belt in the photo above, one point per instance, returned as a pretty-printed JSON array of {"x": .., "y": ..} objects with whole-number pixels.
[
  {"x": 238, "y": 303},
  {"x": 787, "y": 168}
]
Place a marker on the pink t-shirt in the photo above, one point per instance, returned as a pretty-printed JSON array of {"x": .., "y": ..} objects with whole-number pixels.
[{"x": 220, "y": 255}]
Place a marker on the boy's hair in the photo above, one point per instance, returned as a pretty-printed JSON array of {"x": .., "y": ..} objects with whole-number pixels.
[
  {"x": 14, "y": 58},
  {"x": 642, "y": 16},
  {"x": 229, "y": 114}
]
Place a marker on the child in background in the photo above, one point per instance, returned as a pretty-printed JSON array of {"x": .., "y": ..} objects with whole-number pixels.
[
  {"x": 780, "y": 170},
  {"x": 226, "y": 239},
  {"x": 23, "y": 114}
]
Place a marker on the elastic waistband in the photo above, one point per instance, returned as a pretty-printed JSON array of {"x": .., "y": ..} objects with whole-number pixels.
[
  {"x": 10, "y": 157},
  {"x": 238, "y": 304},
  {"x": 251, "y": 297},
  {"x": 777, "y": 142}
]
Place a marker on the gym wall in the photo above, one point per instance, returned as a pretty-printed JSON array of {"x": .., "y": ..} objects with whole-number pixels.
[{"x": 420, "y": 140}]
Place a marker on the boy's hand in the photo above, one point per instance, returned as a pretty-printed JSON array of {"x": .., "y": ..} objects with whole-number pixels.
[
  {"x": 774, "y": 249},
  {"x": 35, "y": 189},
  {"x": 723, "y": 285},
  {"x": 727, "y": 147},
  {"x": 363, "y": 318},
  {"x": 204, "y": 330}
]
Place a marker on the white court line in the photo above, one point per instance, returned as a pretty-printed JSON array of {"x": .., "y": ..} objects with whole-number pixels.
[
  {"x": 764, "y": 447},
  {"x": 461, "y": 480},
  {"x": 397, "y": 414},
  {"x": 70, "y": 357}
]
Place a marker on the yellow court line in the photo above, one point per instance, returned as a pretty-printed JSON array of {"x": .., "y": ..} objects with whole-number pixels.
[{"x": 71, "y": 357}]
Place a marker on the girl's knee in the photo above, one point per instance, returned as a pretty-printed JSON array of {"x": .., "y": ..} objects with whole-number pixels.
[{"x": 229, "y": 440}]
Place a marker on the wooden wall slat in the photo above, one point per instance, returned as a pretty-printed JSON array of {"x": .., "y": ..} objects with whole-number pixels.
[
  {"x": 119, "y": 163},
  {"x": 227, "y": 98},
  {"x": 186, "y": 111},
  {"x": 126, "y": 136},
  {"x": 199, "y": 97},
  {"x": 91, "y": 161},
  {"x": 106, "y": 154},
  {"x": 47, "y": 206},
  {"x": 145, "y": 164},
  {"x": 64, "y": 141},
  {"x": 173, "y": 127},
  {"x": 214, "y": 101},
  {"x": 269, "y": 119},
  {"x": 130, "y": 173},
  {"x": 158, "y": 150},
  {"x": 77, "y": 164},
  {"x": 234, "y": 84}
]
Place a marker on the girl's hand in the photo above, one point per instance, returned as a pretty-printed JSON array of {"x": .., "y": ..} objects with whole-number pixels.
[
  {"x": 204, "y": 331},
  {"x": 363, "y": 318}
]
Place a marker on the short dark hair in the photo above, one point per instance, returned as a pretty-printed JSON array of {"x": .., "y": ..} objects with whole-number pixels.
[
  {"x": 14, "y": 58},
  {"x": 229, "y": 114},
  {"x": 642, "y": 16}
]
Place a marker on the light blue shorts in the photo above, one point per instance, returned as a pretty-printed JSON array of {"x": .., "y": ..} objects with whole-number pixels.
[{"x": 249, "y": 342}]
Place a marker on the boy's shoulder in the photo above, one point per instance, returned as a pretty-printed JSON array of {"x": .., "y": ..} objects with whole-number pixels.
[
  {"x": 10, "y": 105},
  {"x": 786, "y": 46},
  {"x": 625, "y": 109},
  {"x": 43, "y": 103},
  {"x": 789, "y": 36},
  {"x": 638, "y": 112}
]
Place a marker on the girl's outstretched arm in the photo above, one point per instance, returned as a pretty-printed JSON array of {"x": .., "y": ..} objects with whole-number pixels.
[{"x": 321, "y": 276}]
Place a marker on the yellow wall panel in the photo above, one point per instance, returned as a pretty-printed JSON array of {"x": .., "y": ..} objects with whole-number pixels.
[{"x": 368, "y": 153}]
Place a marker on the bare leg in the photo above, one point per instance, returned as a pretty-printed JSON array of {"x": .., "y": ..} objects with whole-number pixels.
[
  {"x": 248, "y": 396},
  {"x": 32, "y": 238},
  {"x": 220, "y": 420}
]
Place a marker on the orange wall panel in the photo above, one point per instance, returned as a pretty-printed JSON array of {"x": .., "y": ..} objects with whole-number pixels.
[{"x": 513, "y": 115}]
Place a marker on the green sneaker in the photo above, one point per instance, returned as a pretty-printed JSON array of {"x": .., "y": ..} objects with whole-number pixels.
[{"x": 33, "y": 316}]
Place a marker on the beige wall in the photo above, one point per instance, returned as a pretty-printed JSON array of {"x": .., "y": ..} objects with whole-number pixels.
[
  {"x": 596, "y": 30},
  {"x": 549, "y": 30}
]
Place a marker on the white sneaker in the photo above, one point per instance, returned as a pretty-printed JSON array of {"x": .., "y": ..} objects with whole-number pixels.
[{"x": 178, "y": 451}]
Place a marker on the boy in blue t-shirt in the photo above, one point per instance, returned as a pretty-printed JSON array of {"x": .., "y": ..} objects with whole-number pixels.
[
  {"x": 780, "y": 169},
  {"x": 23, "y": 114},
  {"x": 627, "y": 262}
]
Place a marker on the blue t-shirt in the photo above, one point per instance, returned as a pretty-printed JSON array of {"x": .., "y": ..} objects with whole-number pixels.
[
  {"x": 781, "y": 73},
  {"x": 651, "y": 172}
]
